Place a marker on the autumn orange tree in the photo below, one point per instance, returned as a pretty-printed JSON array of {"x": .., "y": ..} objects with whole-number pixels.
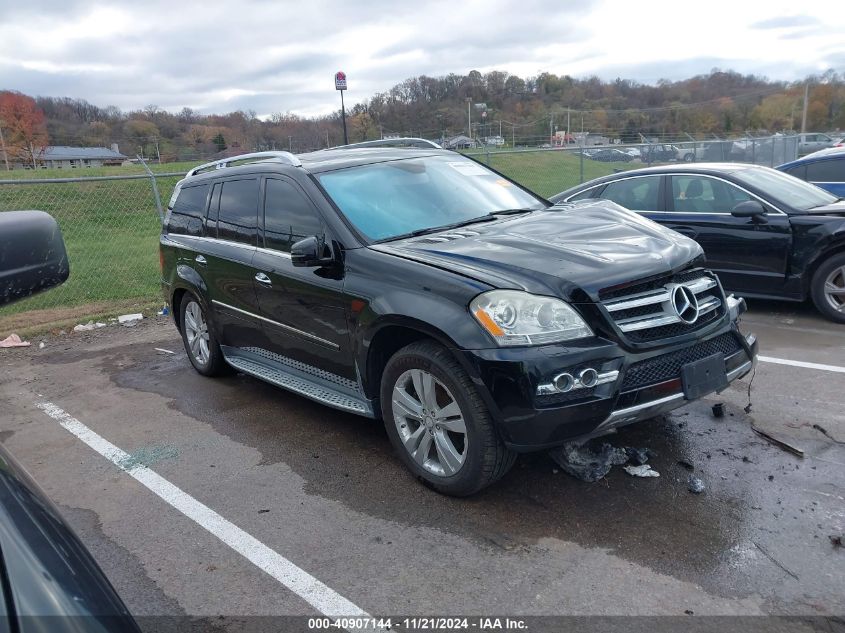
[{"x": 23, "y": 132}]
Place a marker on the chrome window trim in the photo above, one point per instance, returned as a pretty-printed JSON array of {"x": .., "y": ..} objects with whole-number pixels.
[
  {"x": 214, "y": 240},
  {"x": 288, "y": 328}
]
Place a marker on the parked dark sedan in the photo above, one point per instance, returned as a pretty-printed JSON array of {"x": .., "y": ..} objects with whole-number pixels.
[{"x": 765, "y": 233}]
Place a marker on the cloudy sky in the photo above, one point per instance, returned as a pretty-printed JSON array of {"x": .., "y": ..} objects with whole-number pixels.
[{"x": 277, "y": 56}]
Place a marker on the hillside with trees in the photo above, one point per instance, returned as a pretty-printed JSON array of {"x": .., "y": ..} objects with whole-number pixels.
[{"x": 525, "y": 110}]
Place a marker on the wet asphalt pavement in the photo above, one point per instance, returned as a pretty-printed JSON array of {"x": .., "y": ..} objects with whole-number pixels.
[{"x": 323, "y": 489}]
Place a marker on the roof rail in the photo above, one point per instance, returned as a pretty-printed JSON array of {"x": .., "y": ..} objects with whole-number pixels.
[
  {"x": 393, "y": 142},
  {"x": 287, "y": 157}
]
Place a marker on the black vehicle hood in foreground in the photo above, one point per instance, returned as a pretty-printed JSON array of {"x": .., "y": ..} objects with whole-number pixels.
[
  {"x": 54, "y": 582},
  {"x": 560, "y": 251}
]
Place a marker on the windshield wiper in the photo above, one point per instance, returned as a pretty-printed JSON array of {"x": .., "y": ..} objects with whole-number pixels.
[
  {"x": 437, "y": 229},
  {"x": 512, "y": 211}
]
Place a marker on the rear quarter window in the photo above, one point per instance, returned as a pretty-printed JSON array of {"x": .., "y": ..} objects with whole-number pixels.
[
  {"x": 188, "y": 213},
  {"x": 832, "y": 170}
]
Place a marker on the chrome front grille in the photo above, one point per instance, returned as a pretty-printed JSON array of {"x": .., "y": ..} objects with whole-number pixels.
[{"x": 678, "y": 306}]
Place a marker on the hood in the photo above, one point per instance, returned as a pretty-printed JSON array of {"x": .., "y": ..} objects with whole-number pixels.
[
  {"x": 566, "y": 250},
  {"x": 836, "y": 208}
]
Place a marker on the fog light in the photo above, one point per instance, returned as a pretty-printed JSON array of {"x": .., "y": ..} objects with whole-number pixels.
[
  {"x": 588, "y": 377},
  {"x": 564, "y": 382}
]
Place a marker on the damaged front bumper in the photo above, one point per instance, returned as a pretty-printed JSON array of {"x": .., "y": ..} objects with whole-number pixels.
[{"x": 610, "y": 386}]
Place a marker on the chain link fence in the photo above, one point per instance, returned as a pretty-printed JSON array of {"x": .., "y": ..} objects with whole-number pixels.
[
  {"x": 110, "y": 225},
  {"x": 550, "y": 170}
]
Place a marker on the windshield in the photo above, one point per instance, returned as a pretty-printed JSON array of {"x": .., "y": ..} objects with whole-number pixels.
[
  {"x": 788, "y": 189},
  {"x": 391, "y": 199}
]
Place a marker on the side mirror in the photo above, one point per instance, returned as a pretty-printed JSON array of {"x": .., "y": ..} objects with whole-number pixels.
[
  {"x": 748, "y": 209},
  {"x": 311, "y": 252},
  {"x": 32, "y": 254}
]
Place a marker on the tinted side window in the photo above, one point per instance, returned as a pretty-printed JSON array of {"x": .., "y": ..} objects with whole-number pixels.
[
  {"x": 238, "y": 211},
  {"x": 288, "y": 215},
  {"x": 637, "y": 194},
  {"x": 699, "y": 194},
  {"x": 585, "y": 195},
  {"x": 826, "y": 171},
  {"x": 188, "y": 211},
  {"x": 798, "y": 171}
]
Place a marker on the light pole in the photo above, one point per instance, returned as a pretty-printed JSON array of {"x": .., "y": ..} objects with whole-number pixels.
[
  {"x": 340, "y": 84},
  {"x": 469, "y": 117}
]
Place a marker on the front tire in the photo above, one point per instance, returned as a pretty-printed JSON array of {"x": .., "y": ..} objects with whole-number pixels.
[
  {"x": 828, "y": 288},
  {"x": 438, "y": 423},
  {"x": 198, "y": 337}
]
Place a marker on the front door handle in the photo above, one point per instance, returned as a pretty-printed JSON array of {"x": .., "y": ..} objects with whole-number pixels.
[
  {"x": 200, "y": 260},
  {"x": 263, "y": 279}
]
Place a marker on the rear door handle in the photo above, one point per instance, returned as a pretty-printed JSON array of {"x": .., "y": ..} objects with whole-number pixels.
[
  {"x": 263, "y": 279},
  {"x": 200, "y": 260}
]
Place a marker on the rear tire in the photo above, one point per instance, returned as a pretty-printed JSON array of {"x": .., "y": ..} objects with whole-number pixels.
[
  {"x": 828, "y": 288},
  {"x": 198, "y": 337},
  {"x": 444, "y": 435}
]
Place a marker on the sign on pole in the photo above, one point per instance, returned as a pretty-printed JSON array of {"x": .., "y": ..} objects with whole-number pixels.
[{"x": 340, "y": 80}]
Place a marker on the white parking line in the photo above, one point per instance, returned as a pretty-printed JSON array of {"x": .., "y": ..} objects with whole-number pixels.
[
  {"x": 321, "y": 597},
  {"x": 800, "y": 363}
]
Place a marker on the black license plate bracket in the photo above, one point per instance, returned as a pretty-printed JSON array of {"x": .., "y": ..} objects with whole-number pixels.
[{"x": 704, "y": 376}]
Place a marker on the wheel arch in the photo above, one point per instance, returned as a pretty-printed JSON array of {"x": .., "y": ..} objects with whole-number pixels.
[
  {"x": 830, "y": 250},
  {"x": 391, "y": 335}
]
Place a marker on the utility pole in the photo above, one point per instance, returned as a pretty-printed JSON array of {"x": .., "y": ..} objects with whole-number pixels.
[
  {"x": 804, "y": 114},
  {"x": 158, "y": 153},
  {"x": 469, "y": 117},
  {"x": 3, "y": 147},
  {"x": 551, "y": 128},
  {"x": 568, "y": 129}
]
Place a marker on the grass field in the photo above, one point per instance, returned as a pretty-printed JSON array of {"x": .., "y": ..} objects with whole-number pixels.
[
  {"x": 111, "y": 229},
  {"x": 88, "y": 172},
  {"x": 111, "y": 233},
  {"x": 548, "y": 172}
]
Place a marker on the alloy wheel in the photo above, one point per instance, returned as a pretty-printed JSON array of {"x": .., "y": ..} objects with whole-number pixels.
[
  {"x": 834, "y": 289},
  {"x": 430, "y": 423},
  {"x": 196, "y": 333}
]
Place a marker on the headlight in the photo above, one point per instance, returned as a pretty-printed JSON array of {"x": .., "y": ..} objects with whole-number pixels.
[{"x": 513, "y": 317}]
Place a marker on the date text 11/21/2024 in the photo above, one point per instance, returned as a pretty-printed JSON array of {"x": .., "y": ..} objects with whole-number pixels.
[{"x": 420, "y": 623}]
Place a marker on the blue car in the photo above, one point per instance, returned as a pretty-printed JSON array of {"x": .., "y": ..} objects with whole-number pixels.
[{"x": 825, "y": 169}]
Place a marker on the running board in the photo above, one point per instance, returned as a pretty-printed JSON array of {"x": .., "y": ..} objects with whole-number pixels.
[{"x": 299, "y": 382}]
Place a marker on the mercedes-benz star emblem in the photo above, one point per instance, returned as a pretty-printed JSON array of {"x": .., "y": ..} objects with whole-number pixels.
[{"x": 685, "y": 304}]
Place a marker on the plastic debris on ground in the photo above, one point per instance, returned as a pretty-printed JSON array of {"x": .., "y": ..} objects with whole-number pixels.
[
  {"x": 88, "y": 326},
  {"x": 586, "y": 463},
  {"x": 129, "y": 320},
  {"x": 639, "y": 456},
  {"x": 589, "y": 462},
  {"x": 644, "y": 470},
  {"x": 161, "y": 350},
  {"x": 719, "y": 410},
  {"x": 694, "y": 484},
  {"x": 164, "y": 311},
  {"x": 13, "y": 340},
  {"x": 42, "y": 345}
]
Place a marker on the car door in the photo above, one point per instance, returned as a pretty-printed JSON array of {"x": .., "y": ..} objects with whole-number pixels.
[
  {"x": 232, "y": 234},
  {"x": 303, "y": 307},
  {"x": 749, "y": 255}
]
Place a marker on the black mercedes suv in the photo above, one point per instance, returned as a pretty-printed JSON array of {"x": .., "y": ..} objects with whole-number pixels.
[{"x": 418, "y": 286}]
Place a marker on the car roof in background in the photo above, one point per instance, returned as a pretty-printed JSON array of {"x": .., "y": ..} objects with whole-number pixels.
[
  {"x": 341, "y": 158},
  {"x": 830, "y": 152}
]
